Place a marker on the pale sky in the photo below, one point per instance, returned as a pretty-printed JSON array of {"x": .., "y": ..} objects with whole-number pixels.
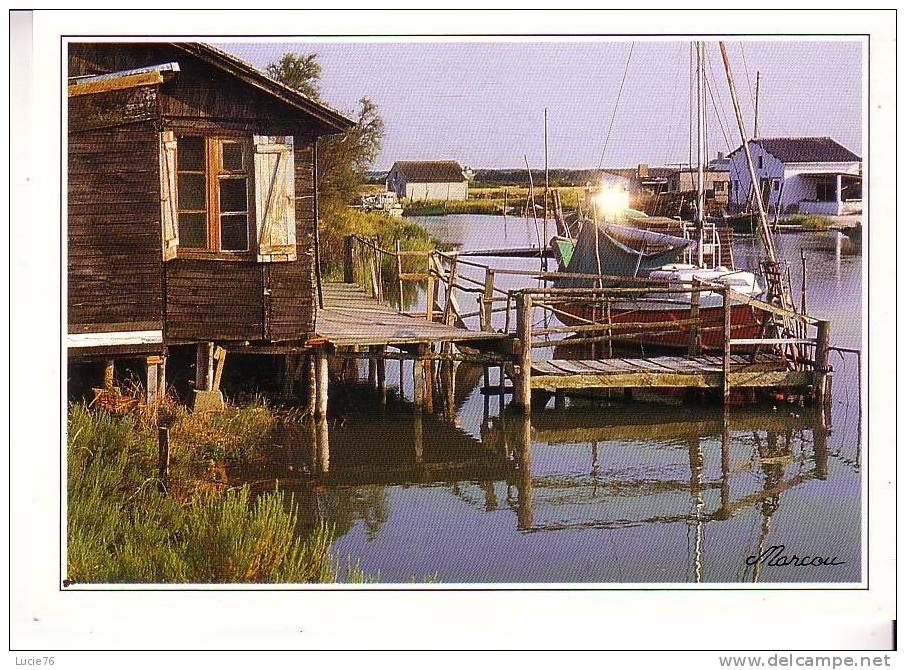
[{"x": 482, "y": 103}]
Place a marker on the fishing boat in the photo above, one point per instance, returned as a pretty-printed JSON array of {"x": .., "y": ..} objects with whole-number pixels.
[
  {"x": 631, "y": 250},
  {"x": 615, "y": 253}
]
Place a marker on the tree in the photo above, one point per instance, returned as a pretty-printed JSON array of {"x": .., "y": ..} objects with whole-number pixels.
[
  {"x": 302, "y": 73},
  {"x": 342, "y": 159}
]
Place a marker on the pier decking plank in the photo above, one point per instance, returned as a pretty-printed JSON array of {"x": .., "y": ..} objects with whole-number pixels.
[
  {"x": 351, "y": 317},
  {"x": 665, "y": 371}
]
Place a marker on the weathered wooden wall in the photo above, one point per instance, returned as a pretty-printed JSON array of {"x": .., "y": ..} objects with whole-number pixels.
[
  {"x": 114, "y": 251},
  {"x": 204, "y": 299}
]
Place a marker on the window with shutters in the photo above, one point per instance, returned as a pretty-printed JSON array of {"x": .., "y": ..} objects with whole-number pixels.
[
  {"x": 234, "y": 196},
  {"x": 212, "y": 186}
]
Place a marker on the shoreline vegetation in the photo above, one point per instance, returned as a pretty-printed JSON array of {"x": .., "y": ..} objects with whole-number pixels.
[{"x": 206, "y": 525}]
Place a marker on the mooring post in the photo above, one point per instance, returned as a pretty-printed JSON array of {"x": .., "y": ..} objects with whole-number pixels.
[
  {"x": 109, "y": 368},
  {"x": 204, "y": 366},
  {"x": 822, "y": 345},
  {"x": 348, "y": 267},
  {"x": 163, "y": 457},
  {"x": 727, "y": 334},
  {"x": 523, "y": 381},
  {"x": 694, "y": 347},
  {"x": 323, "y": 441},
  {"x": 323, "y": 382},
  {"x": 487, "y": 300}
]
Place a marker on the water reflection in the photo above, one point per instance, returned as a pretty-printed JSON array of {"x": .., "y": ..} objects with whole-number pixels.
[
  {"x": 586, "y": 469},
  {"x": 591, "y": 489}
]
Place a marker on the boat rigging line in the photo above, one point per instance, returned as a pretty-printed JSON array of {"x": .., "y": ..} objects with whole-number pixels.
[{"x": 616, "y": 105}]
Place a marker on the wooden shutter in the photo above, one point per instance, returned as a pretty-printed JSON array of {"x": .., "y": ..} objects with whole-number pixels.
[
  {"x": 275, "y": 204},
  {"x": 168, "y": 216}
]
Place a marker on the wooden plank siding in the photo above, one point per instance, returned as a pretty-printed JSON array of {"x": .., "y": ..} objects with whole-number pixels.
[
  {"x": 116, "y": 272},
  {"x": 114, "y": 253}
]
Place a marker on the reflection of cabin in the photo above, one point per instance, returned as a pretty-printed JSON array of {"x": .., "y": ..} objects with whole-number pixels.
[
  {"x": 809, "y": 175},
  {"x": 191, "y": 201}
]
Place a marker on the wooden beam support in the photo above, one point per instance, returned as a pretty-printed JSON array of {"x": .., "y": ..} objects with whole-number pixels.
[
  {"x": 156, "y": 380},
  {"x": 109, "y": 369},
  {"x": 523, "y": 382},
  {"x": 204, "y": 366}
]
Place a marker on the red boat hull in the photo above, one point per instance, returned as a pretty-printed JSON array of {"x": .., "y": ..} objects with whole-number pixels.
[{"x": 744, "y": 323}]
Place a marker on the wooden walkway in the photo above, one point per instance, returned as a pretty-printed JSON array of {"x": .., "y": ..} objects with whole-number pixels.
[
  {"x": 665, "y": 372},
  {"x": 351, "y": 317}
]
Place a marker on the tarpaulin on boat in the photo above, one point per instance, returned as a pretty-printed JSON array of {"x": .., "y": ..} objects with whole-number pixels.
[{"x": 624, "y": 252}]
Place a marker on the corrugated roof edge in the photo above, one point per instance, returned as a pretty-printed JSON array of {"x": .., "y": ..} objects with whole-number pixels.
[{"x": 255, "y": 77}]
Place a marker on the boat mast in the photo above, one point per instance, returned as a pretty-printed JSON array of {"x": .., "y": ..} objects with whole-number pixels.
[
  {"x": 762, "y": 216},
  {"x": 700, "y": 190},
  {"x": 757, "y": 87}
]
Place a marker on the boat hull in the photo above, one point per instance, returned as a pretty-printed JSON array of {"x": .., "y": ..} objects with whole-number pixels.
[{"x": 744, "y": 323}]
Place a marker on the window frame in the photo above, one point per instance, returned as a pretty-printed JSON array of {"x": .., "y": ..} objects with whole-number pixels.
[{"x": 213, "y": 174}]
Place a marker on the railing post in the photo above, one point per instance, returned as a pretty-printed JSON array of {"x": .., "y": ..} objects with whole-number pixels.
[
  {"x": 348, "y": 269},
  {"x": 694, "y": 345},
  {"x": 487, "y": 302},
  {"x": 727, "y": 332},
  {"x": 822, "y": 344},
  {"x": 523, "y": 390}
]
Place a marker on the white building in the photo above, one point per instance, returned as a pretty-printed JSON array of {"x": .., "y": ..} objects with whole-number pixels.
[
  {"x": 808, "y": 175},
  {"x": 428, "y": 180}
]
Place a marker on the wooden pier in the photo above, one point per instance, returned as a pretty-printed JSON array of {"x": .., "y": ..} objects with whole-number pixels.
[{"x": 364, "y": 316}]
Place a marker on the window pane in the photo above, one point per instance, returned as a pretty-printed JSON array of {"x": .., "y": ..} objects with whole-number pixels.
[
  {"x": 191, "y": 191},
  {"x": 190, "y": 153},
  {"x": 233, "y": 195},
  {"x": 234, "y": 232},
  {"x": 193, "y": 231},
  {"x": 232, "y": 156}
]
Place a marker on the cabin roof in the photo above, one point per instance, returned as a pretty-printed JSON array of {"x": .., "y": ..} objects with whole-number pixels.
[
  {"x": 805, "y": 149},
  {"x": 431, "y": 171},
  {"x": 254, "y": 77}
]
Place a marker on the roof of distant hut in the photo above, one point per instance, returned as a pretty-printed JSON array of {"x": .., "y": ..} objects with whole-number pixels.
[
  {"x": 431, "y": 172},
  {"x": 805, "y": 149}
]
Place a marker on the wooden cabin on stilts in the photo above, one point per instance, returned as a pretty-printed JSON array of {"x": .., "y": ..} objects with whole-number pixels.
[{"x": 192, "y": 211}]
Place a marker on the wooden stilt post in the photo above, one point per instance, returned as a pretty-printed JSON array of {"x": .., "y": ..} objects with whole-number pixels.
[
  {"x": 418, "y": 442},
  {"x": 204, "y": 366},
  {"x": 109, "y": 369},
  {"x": 821, "y": 355},
  {"x": 418, "y": 377},
  {"x": 156, "y": 379},
  {"x": 323, "y": 382},
  {"x": 311, "y": 369},
  {"x": 523, "y": 382},
  {"x": 382, "y": 374},
  {"x": 348, "y": 262},
  {"x": 727, "y": 333},
  {"x": 429, "y": 380},
  {"x": 372, "y": 367},
  {"x": 287, "y": 375}
]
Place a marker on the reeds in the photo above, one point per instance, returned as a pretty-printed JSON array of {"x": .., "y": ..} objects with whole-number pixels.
[{"x": 123, "y": 529}]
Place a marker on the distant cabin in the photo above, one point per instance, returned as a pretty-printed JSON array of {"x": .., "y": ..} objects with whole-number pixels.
[
  {"x": 807, "y": 175},
  {"x": 428, "y": 180},
  {"x": 191, "y": 208}
]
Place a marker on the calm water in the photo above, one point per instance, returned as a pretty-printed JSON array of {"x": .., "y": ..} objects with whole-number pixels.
[{"x": 599, "y": 491}]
